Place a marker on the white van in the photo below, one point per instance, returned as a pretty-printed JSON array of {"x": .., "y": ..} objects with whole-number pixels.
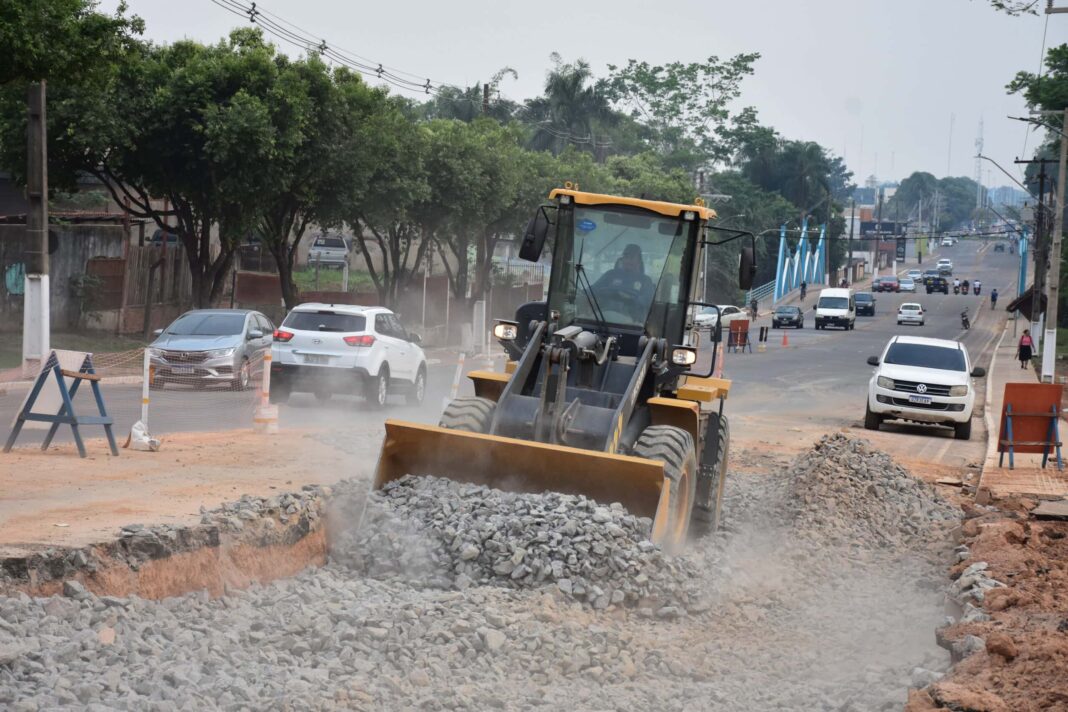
[{"x": 836, "y": 307}]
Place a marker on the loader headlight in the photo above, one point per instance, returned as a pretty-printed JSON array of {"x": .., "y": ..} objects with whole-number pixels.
[
  {"x": 506, "y": 330},
  {"x": 958, "y": 391},
  {"x": 885, "y": 382},
  {"x": 683, "y": 356}
]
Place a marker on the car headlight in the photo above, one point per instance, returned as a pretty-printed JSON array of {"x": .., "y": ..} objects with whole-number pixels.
[
  {"x": 219, "y": 353},
  {"x": 958, "y": 391},
  {"x": 884, "y": 382},
  {"x": 155, "y": 353}
]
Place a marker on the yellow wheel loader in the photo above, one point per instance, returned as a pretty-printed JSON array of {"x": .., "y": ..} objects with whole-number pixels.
[{"x": 600, "y": 397}]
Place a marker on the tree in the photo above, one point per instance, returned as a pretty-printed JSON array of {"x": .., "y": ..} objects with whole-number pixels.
[
  {"x": 66, "y": 40},
  {"x": 197, "y": 126},
  {"x": 684, "y": 104},
  {"x": 313, "y": 175},
  {"x": 571, "y": 111}
]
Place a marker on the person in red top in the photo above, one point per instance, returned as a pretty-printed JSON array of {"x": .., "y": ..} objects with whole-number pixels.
[{"x": 1025, "y": 348}]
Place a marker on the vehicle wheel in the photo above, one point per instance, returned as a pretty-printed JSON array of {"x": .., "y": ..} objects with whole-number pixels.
[
  {"x": 801, "y": 325},
  {"x": 418, "y": 392},
  {"x": 708, "y": 502},
  {"x": 279, "y": 393},
  {"x": 774, "y": 325},
  {"x": 899, "y": 322},
  {"x": 243, "y": 377},
  {"x": 377, "y": 388},
  {"x": 872, "y": 421},
  {"x": 469, "y": 413},
  {"x": 674, "y": 447},
  {"x": 963, "y": 431}
]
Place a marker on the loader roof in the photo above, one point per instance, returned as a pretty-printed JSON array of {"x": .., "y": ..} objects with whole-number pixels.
[{"x": 656, "y": 206}]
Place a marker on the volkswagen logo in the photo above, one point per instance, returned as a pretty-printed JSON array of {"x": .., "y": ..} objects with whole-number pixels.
[{"x": 922, "y": 388}]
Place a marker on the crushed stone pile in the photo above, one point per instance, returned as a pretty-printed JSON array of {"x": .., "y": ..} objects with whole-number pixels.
[
  {"x": 437, "y": 533},
  {"x": 845, "y": 492}
]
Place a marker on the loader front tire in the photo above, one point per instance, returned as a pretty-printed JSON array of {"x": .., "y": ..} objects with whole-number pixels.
[
  {"x": 709, "y": 502},
  {"x": 470, "y": 414},
  {"x": 675, "y": 448}
]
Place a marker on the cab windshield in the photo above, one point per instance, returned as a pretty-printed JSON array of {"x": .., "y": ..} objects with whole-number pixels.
[{"x": 622, "y": 268}]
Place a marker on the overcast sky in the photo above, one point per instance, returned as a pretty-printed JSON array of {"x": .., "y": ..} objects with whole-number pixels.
[{"x": 876, "y": 81}]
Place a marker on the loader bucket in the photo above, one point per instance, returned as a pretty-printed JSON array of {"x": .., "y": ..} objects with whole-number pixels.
[{"x": 514, "y": 465}]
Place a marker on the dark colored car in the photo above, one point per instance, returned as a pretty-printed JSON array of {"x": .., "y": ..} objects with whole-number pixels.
[
  {"x": 886, "y": 284},
  {"x": 938, "y": 284},
  {"x": 999, "y": 247},
  {"x": 788, "y": 316},
  {"x": 929, "y": 275},
  {"x": 865, "y": 303}
]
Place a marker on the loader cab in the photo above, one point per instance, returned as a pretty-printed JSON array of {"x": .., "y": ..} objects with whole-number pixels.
[{"x": 622, "y": 268}]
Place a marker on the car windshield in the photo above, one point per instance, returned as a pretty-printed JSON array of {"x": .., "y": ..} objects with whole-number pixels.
[
  {"x": 329, "y": 242},
  {"x": 786, "y": 310},
  {"x": 864, "y": 297},
  {"x": 910, "y": 307},
  {"x": 619, "y": 264},
  {"x": 711, "y": 310},
  {"x": 324, "y": 321},
  {"x": 907, "y": 281},
  {"x": 833, "y": 303},
  {"x": 925, "y": 356},
  {"x": 207, "y": 324}
]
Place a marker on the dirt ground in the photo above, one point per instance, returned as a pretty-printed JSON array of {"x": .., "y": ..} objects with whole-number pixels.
[{"x": 55, "y": 498}]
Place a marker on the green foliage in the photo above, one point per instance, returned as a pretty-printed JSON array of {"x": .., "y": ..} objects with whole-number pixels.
[
  {"x": 63, "y": 40},
  {"x": 685, "y": 105},
  {"x": 1048, "y": 92}
]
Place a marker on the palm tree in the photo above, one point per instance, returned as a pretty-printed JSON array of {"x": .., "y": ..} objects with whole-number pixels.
[{"x": 571, "y": 110}]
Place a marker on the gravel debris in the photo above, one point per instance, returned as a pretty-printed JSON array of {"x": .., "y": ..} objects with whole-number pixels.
[
  {"x": 799, "y": 603},
  {"x": 437, "y": 533}
]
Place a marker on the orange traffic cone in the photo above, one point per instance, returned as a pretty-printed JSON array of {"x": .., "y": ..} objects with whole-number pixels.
[{"x": 785, "y": 339}]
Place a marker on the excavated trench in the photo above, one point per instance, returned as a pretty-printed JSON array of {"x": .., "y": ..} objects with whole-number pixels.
[{"x": 822, "y": 592}]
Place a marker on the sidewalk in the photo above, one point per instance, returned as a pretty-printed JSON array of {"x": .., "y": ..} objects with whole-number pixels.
[{"x": 1028, "y": 478}]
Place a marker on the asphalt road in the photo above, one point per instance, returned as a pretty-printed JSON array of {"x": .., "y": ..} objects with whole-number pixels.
[{"x": 819, "y": 381}]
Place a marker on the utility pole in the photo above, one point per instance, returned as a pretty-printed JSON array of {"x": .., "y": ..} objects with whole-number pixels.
[
  {"x": 1041, "y": 254},
  {"x": 852, "y": 228},
  {"x": 878, "y": 233},
  {"x": 485, "y": 99},
  {"x": 1049, "y": 348},
  {"x": 35, "y": 315}
]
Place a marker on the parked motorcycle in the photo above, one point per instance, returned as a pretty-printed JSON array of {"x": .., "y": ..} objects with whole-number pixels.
[{"x": 965, "y": 322}]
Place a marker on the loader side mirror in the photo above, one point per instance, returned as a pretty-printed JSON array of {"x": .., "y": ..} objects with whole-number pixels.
[
  {"x": 746, "y": 268},
  {"x": 534, "y": 236}
]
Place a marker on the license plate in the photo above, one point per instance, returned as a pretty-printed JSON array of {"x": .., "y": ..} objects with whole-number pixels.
[
  {"x": 182, "y": 370},
  {"x": 921, "y": 400},
  {"x": 316, "y": 359}
]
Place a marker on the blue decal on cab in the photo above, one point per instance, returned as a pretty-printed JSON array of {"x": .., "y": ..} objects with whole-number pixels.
[{"x": 586, "y": 225}]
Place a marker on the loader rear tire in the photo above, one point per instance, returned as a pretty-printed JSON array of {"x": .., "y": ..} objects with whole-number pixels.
[
  {"x": 675, "y": 448},
  {"x": 709, "y": 502},
  {"x": 470, "y": 414}
]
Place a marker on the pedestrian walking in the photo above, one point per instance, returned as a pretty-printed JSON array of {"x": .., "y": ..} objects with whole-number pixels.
[
  {"x": 804, "y": 289},
  {"x": 993, "y": 298},
  {"x": 1025, "y": 349}
]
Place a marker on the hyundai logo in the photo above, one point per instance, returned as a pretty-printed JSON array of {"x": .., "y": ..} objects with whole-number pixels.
[{"x": 922, "y": 388}]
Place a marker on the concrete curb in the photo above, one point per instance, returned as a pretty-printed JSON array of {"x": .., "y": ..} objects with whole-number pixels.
[
  {"x": 988, "y": 419},
  {"x": 26, "y": 385}
]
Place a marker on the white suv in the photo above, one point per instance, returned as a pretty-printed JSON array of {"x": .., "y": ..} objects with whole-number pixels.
[
  {"x": 923, "y": 381},
  {"x": 335, "y": 348}
]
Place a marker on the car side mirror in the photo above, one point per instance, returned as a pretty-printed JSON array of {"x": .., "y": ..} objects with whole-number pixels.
[
  {"x": 746, "y": 268},
  {"x": 255, "y": 334},
  {"x": 873, "y": 360},
  {"x": 158, "y": 332},
  {"x": 415, "y": 338},
  {"x": 534, "y": 236},
  {"x": 978, "y": 372}
]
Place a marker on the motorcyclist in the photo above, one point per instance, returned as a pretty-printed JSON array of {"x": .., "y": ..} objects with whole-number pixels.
[
  {"x": 964, "y": 286},
  {"x": 993, "y": 297},
  {"x": 965, "y": 322},
  {"x": 804, "y": 289},
  {"x": 976, "y": 286},
  {"x": 956, "y": 283}
]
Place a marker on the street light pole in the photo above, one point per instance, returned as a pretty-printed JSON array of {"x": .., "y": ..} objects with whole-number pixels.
[
  {"x": 35, "y": 315},
  {"x": 852, "y": 228},
  {"x": 1049, "y": 348}
]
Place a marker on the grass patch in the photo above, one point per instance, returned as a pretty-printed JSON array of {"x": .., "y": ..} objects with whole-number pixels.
[
  {"x": 93, "y": 342},
  {"x": 330, "y": 280}
]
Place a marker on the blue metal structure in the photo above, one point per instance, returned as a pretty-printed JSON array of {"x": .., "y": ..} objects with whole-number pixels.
[
  {"x": 1021, "y": 247},
  {"x": 807, "y": 263}
]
